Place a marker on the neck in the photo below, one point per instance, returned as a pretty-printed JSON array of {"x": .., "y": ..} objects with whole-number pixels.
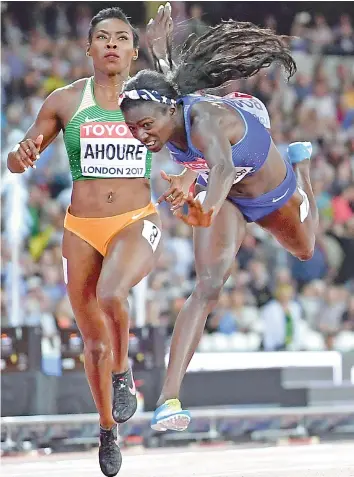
[
  {"x": 179, "y": 136},
  {"x": 110, "y": 82}
]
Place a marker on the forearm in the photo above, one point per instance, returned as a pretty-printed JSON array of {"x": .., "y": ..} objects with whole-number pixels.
[{"x": 220, "y": 182}]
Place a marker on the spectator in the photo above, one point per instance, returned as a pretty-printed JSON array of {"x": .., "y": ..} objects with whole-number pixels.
[
  {"x": 281, "y": 320},
  {"x": 317, "y": 105}
]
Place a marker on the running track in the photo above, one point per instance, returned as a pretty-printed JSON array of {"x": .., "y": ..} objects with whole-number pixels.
[{"x": 325, "y": 460}]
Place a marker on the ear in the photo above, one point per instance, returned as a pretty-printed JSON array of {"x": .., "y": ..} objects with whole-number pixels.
[
  {"x": 135, "y": 54},
  {"x": 88, "y": 46},
  {"x": 172, "y": 110}
]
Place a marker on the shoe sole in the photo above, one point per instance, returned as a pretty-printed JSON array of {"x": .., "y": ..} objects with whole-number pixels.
[{"x": 177, "y": 422}]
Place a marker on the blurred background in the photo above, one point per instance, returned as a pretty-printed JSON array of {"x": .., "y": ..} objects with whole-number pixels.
[{"x": 295, "y": 320}]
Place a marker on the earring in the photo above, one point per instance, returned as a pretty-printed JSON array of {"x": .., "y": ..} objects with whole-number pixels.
[
  {"x": 135, "y": 58},
  {"x": 87, "y": 53}
]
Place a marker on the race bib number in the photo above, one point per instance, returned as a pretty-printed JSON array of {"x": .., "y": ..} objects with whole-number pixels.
[
  {"x": 252, "y": 105},
  {"x": 200, "y": 165},
  {"x": 109, "y": 150},
  {"x": 152, "y": 233}
]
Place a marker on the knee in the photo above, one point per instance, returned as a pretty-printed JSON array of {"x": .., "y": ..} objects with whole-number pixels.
[
  {"x": 111, "y": 301},
  {"x": 208, "y": 289},
  {"x": 97, "y": 349},
  {"x": 306, "y": 253}
]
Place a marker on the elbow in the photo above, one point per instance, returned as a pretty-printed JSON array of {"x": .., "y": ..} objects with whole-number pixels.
[{"x": 226, "y": 171}]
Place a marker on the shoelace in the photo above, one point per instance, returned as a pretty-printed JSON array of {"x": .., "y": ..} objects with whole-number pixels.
[{"x": 122, "y": 396}]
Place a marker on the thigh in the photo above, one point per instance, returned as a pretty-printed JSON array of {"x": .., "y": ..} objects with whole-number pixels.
[
  {"x": 216, "y": 247},
  {"x": 82, "y": 268},
  {"x": 131, "y": 255},
  {"x": 288, "y": 225}
]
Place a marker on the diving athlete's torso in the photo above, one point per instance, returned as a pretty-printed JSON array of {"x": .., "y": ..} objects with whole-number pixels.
[
  {"x": 101, "y": 150},
  {"x": 253, "y": 152}
]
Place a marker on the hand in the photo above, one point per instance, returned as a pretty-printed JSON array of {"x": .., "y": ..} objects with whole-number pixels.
[
  {"x": 196, "y": 215},
  {"x": 24, "y": 155},
  {"x": 174, "y": 194},
  {"x": 158, "y": 30}
]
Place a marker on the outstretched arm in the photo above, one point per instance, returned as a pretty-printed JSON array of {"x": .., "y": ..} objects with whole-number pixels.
[{"x": 216, "y": 149}]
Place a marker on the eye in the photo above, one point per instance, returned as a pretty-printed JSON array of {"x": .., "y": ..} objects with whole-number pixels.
[
  {"x": 123, "y": 37},
  {"x": 147, "y": 125},
  {"x": 101, "y": 36}
]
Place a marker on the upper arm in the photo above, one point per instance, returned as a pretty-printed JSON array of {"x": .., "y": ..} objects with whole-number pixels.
[
  {"x": 47, "y": 121},
  {"x": 210, "y": 139}
]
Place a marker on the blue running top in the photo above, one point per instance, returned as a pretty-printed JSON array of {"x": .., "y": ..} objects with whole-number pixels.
[{"x": 248, "y": 155}]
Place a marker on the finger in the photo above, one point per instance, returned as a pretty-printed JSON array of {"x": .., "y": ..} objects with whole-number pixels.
[
  {"x": 21, "y": 164},
  {"x": 177, "y": 198},
  {"x": 178, "y": 206},
  {"x": 38, "y": 142},
  {"x": 164, "y": 196},
  {"x": 34, "y": 150},
  {"x": 167, "y": 193},
  {"x": 25, "y": 155},
  {"x": 159, "y": 14},
  {"x": 172, "y": 194},
  {"x": 160, "y": 199},
  {"x": 198, "y": 205},
  {"x": 191, "y": 201},
  {"x": 165, "y": 176},
  {"x": 166, "y": 15},
  {"x": 211, "y": 211}
]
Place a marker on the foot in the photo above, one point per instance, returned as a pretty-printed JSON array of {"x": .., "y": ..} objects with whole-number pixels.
[
  {"x": 299, "y": 151},
  {"x": 170, "y": 416},
  {"x": 124, "y": 396},
  {"x": 109, "y": 454}
]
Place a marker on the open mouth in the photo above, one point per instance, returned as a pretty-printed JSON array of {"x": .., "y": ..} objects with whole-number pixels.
[
  {"x": 150, "y": 144},
  {"x": 153, "y": 146}
]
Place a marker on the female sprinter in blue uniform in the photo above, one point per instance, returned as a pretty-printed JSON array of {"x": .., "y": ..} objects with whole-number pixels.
[{"x": 242, "y": 176}]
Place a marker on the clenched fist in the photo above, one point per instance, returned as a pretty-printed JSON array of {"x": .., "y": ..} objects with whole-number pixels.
[{"x": 24, "y": 155}]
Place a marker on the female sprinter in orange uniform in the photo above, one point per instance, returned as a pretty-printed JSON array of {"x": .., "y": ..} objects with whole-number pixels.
[
  {"x": 242, "y": 176},
  {"x": 112, "y": 231}
]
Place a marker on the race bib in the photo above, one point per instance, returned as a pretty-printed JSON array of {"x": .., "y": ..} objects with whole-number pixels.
[
  {"x": 200, "y": 165},
  {"x": 108, "y": 149},
  {"x": 252, "y": 105}
]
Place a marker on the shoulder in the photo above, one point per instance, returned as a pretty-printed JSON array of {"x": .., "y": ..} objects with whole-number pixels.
[
  {"x": 204, "y": 110},
  {"x": 72, "y": 88},
  {"x": 67, "y": 92},
  {"x": 57, "y": 102}
]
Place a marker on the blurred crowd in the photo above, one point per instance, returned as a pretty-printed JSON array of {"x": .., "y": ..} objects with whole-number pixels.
[{"x": 272, "y": 301}]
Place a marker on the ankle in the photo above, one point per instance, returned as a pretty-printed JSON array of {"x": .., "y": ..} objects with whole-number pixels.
[
  {"x": 120, "y": 369},
  {"x": 120, "y": 374},
  {"x": 107, "y": 425},
  {"x": 163, "y": 398}
]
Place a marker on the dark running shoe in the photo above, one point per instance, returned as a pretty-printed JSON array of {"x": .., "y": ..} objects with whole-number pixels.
[
  {"x": 124, "y": 396},
  {"x": 109, "y": 454}
]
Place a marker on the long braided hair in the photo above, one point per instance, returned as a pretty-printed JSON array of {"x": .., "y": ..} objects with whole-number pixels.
[{"x": 231, "y": 50}]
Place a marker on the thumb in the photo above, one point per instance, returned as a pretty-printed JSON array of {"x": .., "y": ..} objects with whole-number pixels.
[
  {"x": 38, "y": 141},
  {"x": 165, "y": 176}
]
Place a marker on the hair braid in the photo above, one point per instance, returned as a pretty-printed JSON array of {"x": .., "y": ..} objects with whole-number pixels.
[{"x": 229, "y": 51}]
